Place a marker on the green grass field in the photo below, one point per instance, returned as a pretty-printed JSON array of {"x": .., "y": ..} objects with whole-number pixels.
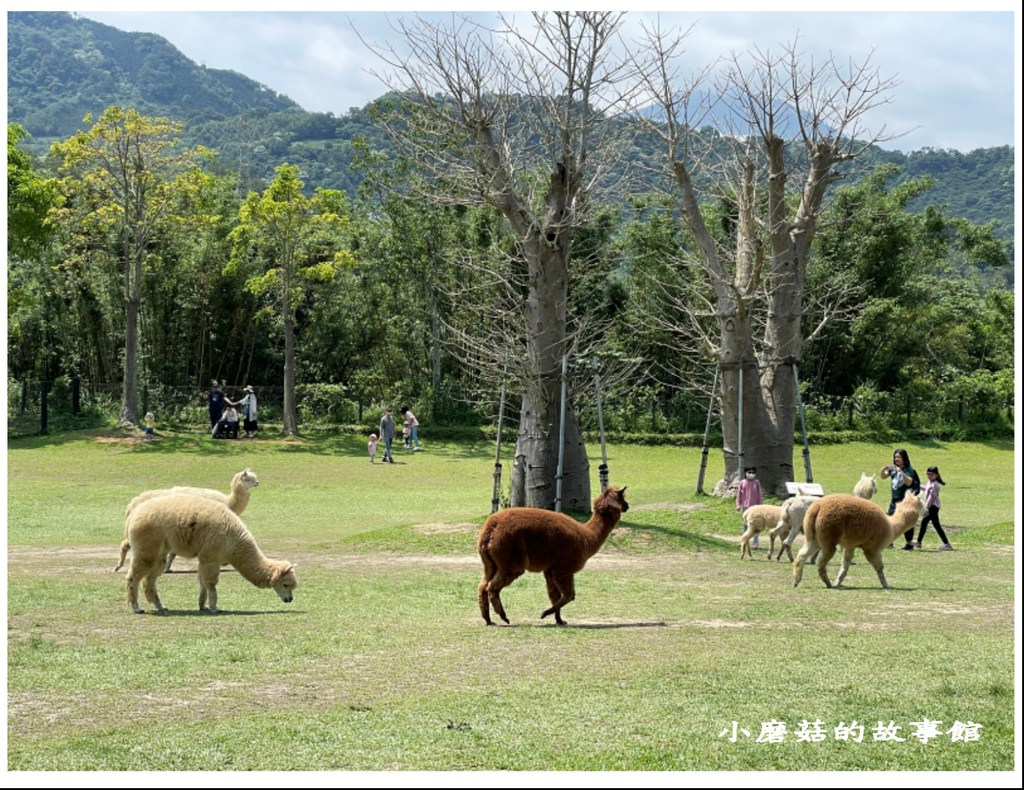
[{"x": 382, "y": 662}]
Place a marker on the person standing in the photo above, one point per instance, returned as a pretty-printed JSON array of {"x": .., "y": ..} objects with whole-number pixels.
[
  {"x": 749, "y": 494},
  {"x": 216, "y": 403},
  {"x": 387, "y": 434},
  {"x": 931, "y": 501},
  {"x": 414, "y": 429},
  {"x": 903, "y": 479},
  {"x": 248, "y": 404},
  {"x": 151, "y": 424}
]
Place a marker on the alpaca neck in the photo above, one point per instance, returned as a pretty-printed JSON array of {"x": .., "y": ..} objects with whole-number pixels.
[
  {"x": 251, "y": 564},
  {"x": 238, "y": 498},
  {"x": 902, "y": 520},
  {"x": 598, "y": 528}
]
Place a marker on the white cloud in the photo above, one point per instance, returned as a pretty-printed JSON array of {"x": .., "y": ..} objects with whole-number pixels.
[{"x": 956, "y": 69}]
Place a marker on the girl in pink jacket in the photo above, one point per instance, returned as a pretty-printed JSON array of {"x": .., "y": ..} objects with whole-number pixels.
[{"x": 749, "y": 494}]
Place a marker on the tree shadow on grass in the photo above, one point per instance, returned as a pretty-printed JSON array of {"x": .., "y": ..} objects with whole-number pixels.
[{"x": 223, "y": 613}]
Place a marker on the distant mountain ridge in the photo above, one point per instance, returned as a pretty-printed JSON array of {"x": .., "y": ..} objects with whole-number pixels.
[{"x": 61, "y": 67}]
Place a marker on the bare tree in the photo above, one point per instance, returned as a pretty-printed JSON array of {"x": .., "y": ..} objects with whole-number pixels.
[
  {"x": 784, "y": 126},
  {"x": 523, "y": 119}
]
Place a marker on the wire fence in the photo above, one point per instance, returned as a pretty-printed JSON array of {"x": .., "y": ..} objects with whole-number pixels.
[{"x": 35, "y": 407}]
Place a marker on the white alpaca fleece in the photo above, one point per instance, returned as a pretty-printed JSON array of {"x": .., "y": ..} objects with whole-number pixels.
[
  {"x": 236, "y": 501},
  {"x": 866, "y": 487},
  {"x": 756, "y": 519},
  {"x": 194, "y": 526}
]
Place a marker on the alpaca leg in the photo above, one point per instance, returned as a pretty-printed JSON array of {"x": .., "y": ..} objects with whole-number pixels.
[
  {"x": 494, "y": 588},
  {"x": 798, "y": 565},
  {"x": 745, "y": 543},
  {"x": 170, "y": 559},
  {"x": 483, "y": 602},
  {"x": 208, "y": 575},
  {"x": 875, "y": 558},
  {"x": 149, "y": 588},
  {"x": 845, "y": 566},
  {"x": 567, "y": 593},
  {"x": 825, "y": 556},
  {"x": 555, "y": 595},
  {"x": 131, "y": 589}
]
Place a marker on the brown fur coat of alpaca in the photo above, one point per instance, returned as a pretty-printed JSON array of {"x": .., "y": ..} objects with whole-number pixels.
[
  {"x": 522, "y": 539},
  {"x": 853, "y": 523}
]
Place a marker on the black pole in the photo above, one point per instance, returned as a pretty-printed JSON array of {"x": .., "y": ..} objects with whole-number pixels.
[
  {"x": 42, "y": 407},
  {"x": 497, "y": 451},
  {"x": 76, "y": 396},
  {"x": 707, "y": 430}
]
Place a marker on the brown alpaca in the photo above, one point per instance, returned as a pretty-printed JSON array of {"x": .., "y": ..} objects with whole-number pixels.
[
  {"x": 852, "y": 522},
  {"x": 523, "y": 539}
]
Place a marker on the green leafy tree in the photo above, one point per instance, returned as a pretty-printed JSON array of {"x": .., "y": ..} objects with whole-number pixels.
[
  {"x": 285, "y": 243},
  {"x": 122, "y": 178}
]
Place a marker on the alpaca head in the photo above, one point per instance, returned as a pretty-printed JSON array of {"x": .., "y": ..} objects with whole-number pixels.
[
  {"x": 247, "y": 478},
  {"x": 283, "y": 581},
  {"x": 868, "y": 484},
  {"x": 611, "y": 502},
  {"x": 912, "y": 504}
]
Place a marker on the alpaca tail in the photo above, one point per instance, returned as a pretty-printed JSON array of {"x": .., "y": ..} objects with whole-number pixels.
[
  {"x": 810, "y": 532},
  {"x": 125, "y": 546}
]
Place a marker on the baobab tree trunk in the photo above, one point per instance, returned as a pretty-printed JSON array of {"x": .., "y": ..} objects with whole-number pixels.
[
  {"x": 536, "y": 462},
  {"x": 129, "y": 415}
]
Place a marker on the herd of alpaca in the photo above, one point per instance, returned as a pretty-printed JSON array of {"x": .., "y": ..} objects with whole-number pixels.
[
  {"x": 205, "y": 524},
  {"x": 201, "y": 523}
]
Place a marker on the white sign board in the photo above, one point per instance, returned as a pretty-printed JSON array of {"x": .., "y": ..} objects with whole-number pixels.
[{"x": 806, "y": 489}]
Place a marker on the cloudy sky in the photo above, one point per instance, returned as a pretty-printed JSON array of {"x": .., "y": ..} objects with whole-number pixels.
[{"x": 956, "y": 68}]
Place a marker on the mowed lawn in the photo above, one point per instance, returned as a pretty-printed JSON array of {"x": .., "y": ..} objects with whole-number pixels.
[{"x": 675, "y": 649}]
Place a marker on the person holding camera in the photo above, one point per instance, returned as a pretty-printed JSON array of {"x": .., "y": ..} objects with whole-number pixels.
[{"x": 903, "y": 479}]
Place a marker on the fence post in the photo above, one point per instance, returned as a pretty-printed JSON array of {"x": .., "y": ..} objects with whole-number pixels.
[
  {"x": 76, "y": 395},
  {"x": 42, "y": 407},
  {"x": 24, "y": 395}
]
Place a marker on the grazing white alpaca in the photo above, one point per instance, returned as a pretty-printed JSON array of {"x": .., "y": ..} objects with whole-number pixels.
[
  {"x": 193, "y": 526},
  {"x": 756, "y": 519},
  {"x": 236, "y": 501},
  {"x": 852, "y": 522}
]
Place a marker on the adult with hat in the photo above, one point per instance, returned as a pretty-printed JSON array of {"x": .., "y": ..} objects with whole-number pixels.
[
  {"x": 216, "y": 402},
  {"x": 248, "y": 404}
]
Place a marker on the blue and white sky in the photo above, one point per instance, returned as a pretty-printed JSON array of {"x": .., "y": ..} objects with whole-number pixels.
[{"x": 956, "y": 68}]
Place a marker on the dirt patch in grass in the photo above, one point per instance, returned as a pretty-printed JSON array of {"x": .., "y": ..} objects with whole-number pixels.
[
  {"x": 671, "y": 507},
  {"x": 439, "y": 528}
]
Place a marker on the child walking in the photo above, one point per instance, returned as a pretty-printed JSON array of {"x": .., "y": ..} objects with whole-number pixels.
[
  {"x": 749, "y": 493},
  {"x": 931, "y": 501},
  {"x": 371, "y": 447}
]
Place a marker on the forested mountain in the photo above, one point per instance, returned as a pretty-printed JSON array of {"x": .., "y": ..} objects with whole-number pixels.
[{"x": 61, "y": 67}]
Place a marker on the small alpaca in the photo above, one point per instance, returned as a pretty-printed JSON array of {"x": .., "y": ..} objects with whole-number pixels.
[
  {"x": 866, "y": 487},
  {"x": 852, "y": 522},
  {"x": 790, "y": 523},
  {"x": 756, "y": 519},
  {"x": 530, "y": 539},
  {"x": 236, "y": 501},
  {"x": 195, "y": 526}
]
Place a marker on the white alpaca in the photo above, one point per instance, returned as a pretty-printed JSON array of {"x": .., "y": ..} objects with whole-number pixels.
[
  {"x": 790, "y": 523},
  {"x": 866, "y": 487},
  {"x": 853, "y": 523},
  {"x": 756, "y": 519},
  {"x": 236, "y": 501},
  {"x": 193, "y": 526}
]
